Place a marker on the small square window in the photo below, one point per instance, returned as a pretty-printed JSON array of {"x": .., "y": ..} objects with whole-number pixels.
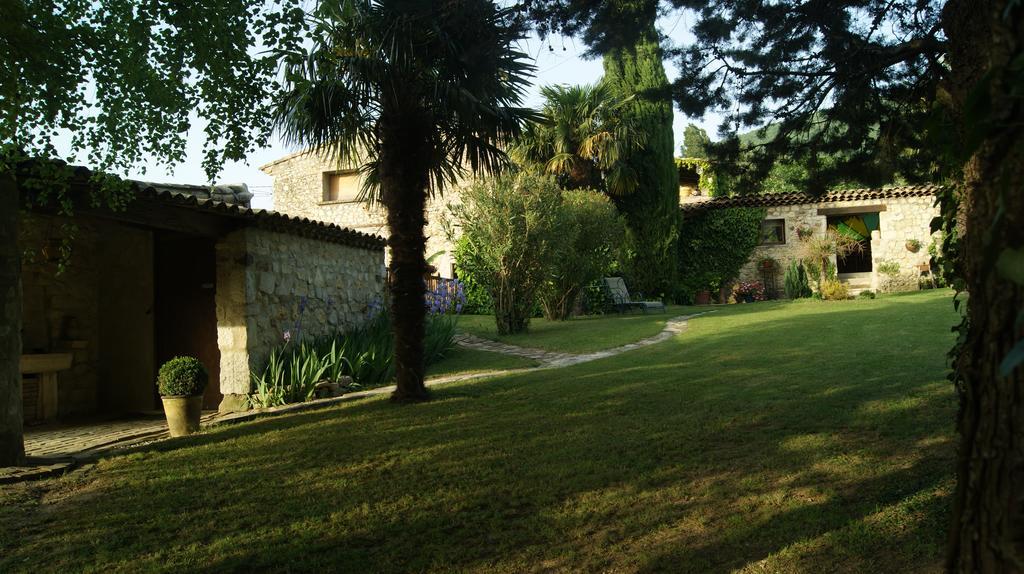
[
  {"x": 773, "y": 232},
  {"x": 341, "y": 186}
]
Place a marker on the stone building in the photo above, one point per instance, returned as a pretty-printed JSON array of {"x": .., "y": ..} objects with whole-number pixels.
[
  {"x": 183, "y": 270},
  {"x": 307, "y": 185},
  {"x": 894, "y": 223}
]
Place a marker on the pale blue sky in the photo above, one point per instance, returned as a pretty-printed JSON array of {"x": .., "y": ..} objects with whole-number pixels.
[{"x": 560, "y": 66}]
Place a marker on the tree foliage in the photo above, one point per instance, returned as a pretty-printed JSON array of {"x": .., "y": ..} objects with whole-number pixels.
[
  {"x": 582, "y": 139},
  {"x": 387, "y": 85},
  {"x": 695, "y": 142},
  {"x": 510, "y": 238},
  {"x": 636, "y": 71},
  {"x": 592, "y": 232}
]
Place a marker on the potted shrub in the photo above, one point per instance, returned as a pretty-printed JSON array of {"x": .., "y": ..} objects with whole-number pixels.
[{"x": 181, "y": 383}]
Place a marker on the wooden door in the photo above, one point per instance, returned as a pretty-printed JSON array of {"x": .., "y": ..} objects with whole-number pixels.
[{"x": 186, "y": 311}]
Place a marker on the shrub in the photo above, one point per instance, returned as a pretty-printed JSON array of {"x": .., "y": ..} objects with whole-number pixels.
[
  {"x": 478, "y": 299},
  {"x": 182, "y": 377},
  {"x": 596, "y": 298},
  {"x": 509, "y": 226},
  {"x": 834, "y": 290},
  {"x": 890, "y": 268},
  {"x": 365, "y": 354},
  {"x": 752, "y": 291},
  {"x": 816, "y": 252},
  {"x": 796, "y": 284},
  {"x": 590, "y": 231},
  {"x": 713, "y": 246},
  {"x": 866, "y": 294}
]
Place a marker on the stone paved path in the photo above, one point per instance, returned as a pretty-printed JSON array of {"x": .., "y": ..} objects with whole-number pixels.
[
  {"x": 54, "y": 450},
  {"x": 554, "y": 359}
]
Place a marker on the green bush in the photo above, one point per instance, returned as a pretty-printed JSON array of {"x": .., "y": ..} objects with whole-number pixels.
[
  {"x": 713, "y": 246},
  {"x": 591, "y": 231},
  {"x": 834, "y": 290},
  {"x": 478, "y": 299},
  {"x": 890, "y": 268},
  {"x": 182, "y": 377},
  {"x": 796, "y": 283},
  {"x": 866, "y": 294},
  {"x": 365, "y": 354},
  {"x": 510, "y": 233}
]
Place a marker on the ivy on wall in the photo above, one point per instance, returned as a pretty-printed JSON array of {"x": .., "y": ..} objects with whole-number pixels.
[
  {"x": 714, "y": 245},
  {"x": 708, "y": 183}
]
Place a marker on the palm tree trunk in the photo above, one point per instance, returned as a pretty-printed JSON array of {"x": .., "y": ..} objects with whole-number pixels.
[
  {"x": 12, "y": 444},
  {"x": 404, "y": 188},
  {"x": 988, "y": 514}
]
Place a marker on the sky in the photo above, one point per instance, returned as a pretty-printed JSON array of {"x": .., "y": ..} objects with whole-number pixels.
[{"x": 561, "y": 64}]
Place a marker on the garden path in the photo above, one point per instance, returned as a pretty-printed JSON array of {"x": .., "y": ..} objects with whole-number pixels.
[{"x": 552, "y": 359}]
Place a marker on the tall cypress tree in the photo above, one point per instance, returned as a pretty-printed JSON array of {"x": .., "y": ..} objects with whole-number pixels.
[{"x": 651, "y": 211}]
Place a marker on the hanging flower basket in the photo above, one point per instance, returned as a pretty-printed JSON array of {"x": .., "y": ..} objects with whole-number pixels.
[{"x": 913, "y": 245}]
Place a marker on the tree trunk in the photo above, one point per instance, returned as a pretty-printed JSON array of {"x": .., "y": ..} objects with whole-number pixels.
[
  {"x": 987, "y": 533},
  {"x": 404, "y": 187},
  {"x": 12, "y": 443}
]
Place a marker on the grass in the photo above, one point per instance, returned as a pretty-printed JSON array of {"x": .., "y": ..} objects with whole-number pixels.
[
  {"x": 774, "y": 437},
  {"x": 465, "y": 361},
  {"x": 577, "y": 335}
]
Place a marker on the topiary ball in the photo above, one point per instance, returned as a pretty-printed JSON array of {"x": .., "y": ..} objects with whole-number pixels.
[{"x": 182, "y": 377}]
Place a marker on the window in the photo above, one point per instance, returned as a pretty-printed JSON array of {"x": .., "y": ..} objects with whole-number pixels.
[
  {"x": 773, "y": 232},
  {"x": 341, "y": 186}
]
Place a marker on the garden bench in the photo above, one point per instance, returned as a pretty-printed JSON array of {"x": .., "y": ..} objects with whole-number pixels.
[{"x": 622, "y": 301}]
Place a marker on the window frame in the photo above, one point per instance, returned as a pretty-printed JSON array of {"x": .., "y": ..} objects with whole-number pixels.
[
  {"x": 326, "y": 178},
  {"x": 781, "y": 221}
]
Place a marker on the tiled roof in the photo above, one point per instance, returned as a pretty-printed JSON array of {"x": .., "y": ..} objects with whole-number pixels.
[
  {"x": 203, "y": 198},
  {"x": 264, "y": 218},
  {"x": 779, "y": 199}
]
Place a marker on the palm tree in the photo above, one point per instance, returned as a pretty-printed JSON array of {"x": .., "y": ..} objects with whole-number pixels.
[
  {"x": 582, "y": 139},
  {"x": 413, "y": 92}
]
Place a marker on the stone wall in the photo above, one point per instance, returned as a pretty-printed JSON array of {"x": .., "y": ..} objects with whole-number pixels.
[
  {"x": 298, "y": 191},
  {"x": 61, "y": 310},
  {"x": 269, "y": 283},
  {"x": 904, "y": 218}
]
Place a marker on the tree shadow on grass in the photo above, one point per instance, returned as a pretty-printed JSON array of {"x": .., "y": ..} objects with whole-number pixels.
[{"x": 702, "y": 454}]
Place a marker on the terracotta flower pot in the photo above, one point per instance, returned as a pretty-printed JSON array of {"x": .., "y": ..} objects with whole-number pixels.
[{"x": 183, "y": 414}]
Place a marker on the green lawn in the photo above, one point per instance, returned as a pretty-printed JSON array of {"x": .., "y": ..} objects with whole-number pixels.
[
  {"x": 465, "y": 361},
  {"x": 774, "y": 437},
  {"x": 577, "y": 335}
]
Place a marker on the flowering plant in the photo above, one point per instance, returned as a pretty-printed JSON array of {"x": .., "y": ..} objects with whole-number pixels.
[
  {"x": 446, "y": 298},
  {"x": 751, "y": 291}
]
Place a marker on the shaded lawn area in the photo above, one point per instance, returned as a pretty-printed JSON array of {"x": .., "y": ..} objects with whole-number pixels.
[
  {"x": 774, "y": 437},
  {"x": 460, "y": 360},
  {"x": 579, "y": 334}
]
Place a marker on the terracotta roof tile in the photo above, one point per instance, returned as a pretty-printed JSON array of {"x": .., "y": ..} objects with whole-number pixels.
[
  {"x": 267, "y": 219},
  {"x": 780, "y": 199}
]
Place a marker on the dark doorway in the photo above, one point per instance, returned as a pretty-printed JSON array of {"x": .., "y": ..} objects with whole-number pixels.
[
  {"x": 858, "y": 226},
  {"x": 186, "y": 310}
]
